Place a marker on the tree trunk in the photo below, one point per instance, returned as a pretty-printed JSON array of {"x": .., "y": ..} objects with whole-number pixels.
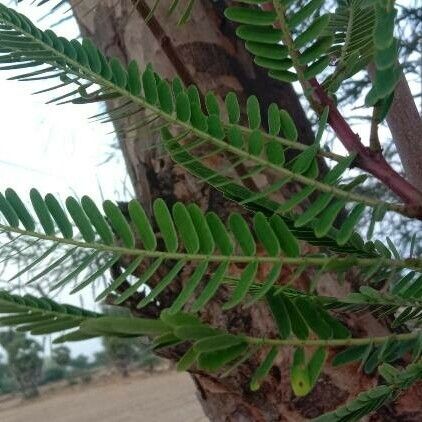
[
  {"x": 208, "y": 53},
  {"x": 405, "y": 125}
]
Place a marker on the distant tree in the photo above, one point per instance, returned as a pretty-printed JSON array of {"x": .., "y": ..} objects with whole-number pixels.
[
  {"x": 52, "y": 372},
  {"x": 80, "y": 369},
  {"x": 148, "y": 360},
  {"x": 121, "y": 353},
  {"x": 80, "y": 362},
  {"x": 61, "y": 356},
  {"x": 7, "y": 383},
  {"x": 100, "y": 358},
  {"x": 24, "y": 361},
  {"x": 56, "y": 367}
]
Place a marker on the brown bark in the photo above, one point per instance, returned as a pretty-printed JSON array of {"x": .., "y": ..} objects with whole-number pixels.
[
  {"x": 405, "y": 125},
  {"x": 216, "y": 61}
]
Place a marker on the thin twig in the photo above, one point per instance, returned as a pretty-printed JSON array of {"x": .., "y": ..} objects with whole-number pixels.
[{"x": 374, "y": 141}]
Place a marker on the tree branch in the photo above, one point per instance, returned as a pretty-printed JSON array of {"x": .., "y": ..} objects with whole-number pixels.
[
  {"x": 405, "y": 125},
  {"x": 371, "y": 161},
  {"x": 374, "y": 141},
  {"x": 164, "y": 41}
]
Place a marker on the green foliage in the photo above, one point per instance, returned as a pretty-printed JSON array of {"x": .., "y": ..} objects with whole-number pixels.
[
  {"x": 257, "y": 30},
  {"x": 213, "y": 349},
  {"x": 39, "y": 315},
  {"x": 194, "y": 127},
  {"x": 53, "y": 373},
  {"x": 403, "y": 303},
  {"x": 388, "y": 71},
  {"x": 352, "y": 27},
  {"x": 80, "y": 362},
  {"x": 372, "y": 400},
  {"x": 305, "y": 374},
  {"x": 189, "y": 236},
  {"x": 7, "y": 382},
  {"x": 357, "y": 33},
  {"x": 245, "y": 255},
  {"x": 61, "y": 355}
]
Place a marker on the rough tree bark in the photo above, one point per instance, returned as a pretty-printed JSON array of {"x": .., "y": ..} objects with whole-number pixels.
[
  {"x": 405, "y": 125},
  {"x": 214, "y": 60}
]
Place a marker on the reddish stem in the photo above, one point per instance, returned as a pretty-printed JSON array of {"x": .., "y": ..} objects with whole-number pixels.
[
  {"x": 371, "y": 161},
  {"x": 368, "y": 160}
]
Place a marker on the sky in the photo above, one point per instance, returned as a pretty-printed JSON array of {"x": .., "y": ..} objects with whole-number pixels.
[{"x": 56, "y": 148}]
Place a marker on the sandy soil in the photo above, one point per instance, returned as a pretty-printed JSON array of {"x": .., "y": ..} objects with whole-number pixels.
[{"x": 165, "y": 397}]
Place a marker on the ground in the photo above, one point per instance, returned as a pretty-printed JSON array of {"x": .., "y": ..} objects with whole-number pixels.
[{"x": 163, "y": 397}]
